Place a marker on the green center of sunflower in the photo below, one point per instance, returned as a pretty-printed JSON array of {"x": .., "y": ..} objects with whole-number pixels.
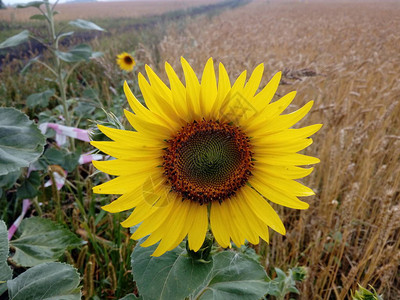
[
  {"x": 128, "y": 60},
  {"x": 208, "y": 161}
]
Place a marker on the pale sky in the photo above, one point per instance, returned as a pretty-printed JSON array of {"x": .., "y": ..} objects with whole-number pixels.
[{"x": 13, "y": 2}]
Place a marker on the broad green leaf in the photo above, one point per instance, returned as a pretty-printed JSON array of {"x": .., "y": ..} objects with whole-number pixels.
[
  {"x": 81, "y": 52},
  {"x": 234, "y": 276},
  {"x": 21, "y": 142},
  {"x": 97, "y": 54},
  {"x": 284, "y": 284},
  {"x": 41, "y": 240},
  {"x": 67, "y": 160},
  {"x": 15, "y": 40},
  {"x": 65, "y": 34},
  {"x": 85, "y": 25},
  {"x": 38, "y": 17},
  {"x": 51, "y": 156},
  {"x": 29, "y": 187},
  {"x": 170, "y": 276},
  {"x": 47, "y": 281},
  {"x": 30, "y": 62},
  {"x": 40, "y": 99},
  {"x": 5, "y": 271},
  {"x": 71, "y": 160},
  {"x": 131, "y": 297},
  {"x": 30, "y": 4},
  {"x": 7, "y": 181}
]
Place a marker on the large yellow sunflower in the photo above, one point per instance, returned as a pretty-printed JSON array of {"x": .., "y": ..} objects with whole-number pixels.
[
  {"x": 125, "y": 61},
  {"x": 206, "y": 153}
]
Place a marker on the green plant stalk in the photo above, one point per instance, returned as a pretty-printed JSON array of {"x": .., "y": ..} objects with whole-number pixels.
[
  {"x": 37, "y": 206},
  {"x": 60, "y": 80},
  {"x": 56, "y": 197}
]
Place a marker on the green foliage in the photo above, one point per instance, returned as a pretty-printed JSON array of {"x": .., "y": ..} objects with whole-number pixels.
[
  {"x": 15, "y": 40},
  {"x": 171, "y": 276},
  {"x": 284, "y": 284},
  {"x": 175, "y": 275},
  {"x": 7, "y": 181},
  {"x": 21, "y": 142},
  {"x": 62, "y": 157},
  {"x": 40, "y": 99},
  {"x": 131, "y": 297},
  {"x": 83, "y": 24},
  {"x": 29, "y": 187},
  {"x": 36, "y": 4},
  {"x": 234, "y": 276},
  {"x": 5, "y": 271},
  {"x": 41, "y": 240},
  {"x": 46, "y": 281},
  {"x": 82, "y": 52},
  {"x": 364, "y": 294}
]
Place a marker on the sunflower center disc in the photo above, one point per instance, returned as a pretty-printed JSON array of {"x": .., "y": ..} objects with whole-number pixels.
[
  {"x": 128, "y": 60},
  {"x": 208, "y": 161}
]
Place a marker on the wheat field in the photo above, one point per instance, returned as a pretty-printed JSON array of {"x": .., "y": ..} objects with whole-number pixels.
[{"x": 345, "y": 56}]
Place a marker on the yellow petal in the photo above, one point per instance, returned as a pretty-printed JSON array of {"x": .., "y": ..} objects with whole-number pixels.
[
  {"x": 254, "y": 82},
  {"x": 156, "y": 102},
  {"x": 287, "y": 135},
  {"x": 288, "y": 172},
  {"x": 263, "y": 98},
  {"x": 277, "y": 196},
  {"x": 241, "y": 222},
  {"x": 126, "y": 201},
  {"x": 208, "y": 89},
  {"x": 122, "y": 151},
  {"x": 224, "y": 87},
  {"x": 199, "y": 226},
  {"x": 281, "y": 149},
  {"x": 153, "y": 129},
  {"x": 192, "y": 88},
  {"x": 178, "y": 92},
  {"x": 119, "y": 185},
  {"x": 287, "y": 160},
  {"x": 263, "y": 210},
  {"x": 126, "y": 167},
  {"x": 218, "y": 227},
  {"x": 174, "y": 231},
  {"x": 287, "y": 121},
  {"x": 133, "y": 138},
  {"x": 256, "y": 225}
]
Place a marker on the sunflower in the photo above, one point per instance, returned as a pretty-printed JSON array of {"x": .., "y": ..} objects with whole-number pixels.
[
  {"x": 125, "y": 61},
  {"x": 206, "y": 155}
]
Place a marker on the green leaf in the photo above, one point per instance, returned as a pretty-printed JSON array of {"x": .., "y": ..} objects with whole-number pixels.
[
  {"x": 21, "y": 142},
  {"x": 5, "y": 271},
  {"x": 67, "y": 160},
  {"x": 234, "y": 276},
  {"x": 71, "y": 161},
  {"x": 41, "y": 240},
  {"x": 7, "y": 181},
  {"x": 38, "y": 17},
  {"x": 85, "y": 25},
  {"x": 81, "y": 52},
  {"x": 46, "y": 281},
  {"x": 40, "y": 99},
  {"x": 30, "y": 62},
  {"x": 51, "y": 156},
  {"x": 30, "y": 4},
  {"x": 170, "y": 276},
  {"x": 131, "y": 297},
  {"x": 15, "y": 40},
  {"x": 65, "y": 34},
  {"x": 29, "y": 187}
]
